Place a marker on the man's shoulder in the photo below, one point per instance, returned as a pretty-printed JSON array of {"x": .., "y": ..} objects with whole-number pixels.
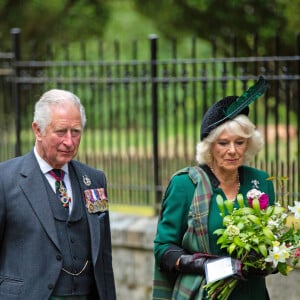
[
  {"x": 90, "y": 176},
  {"x": 84, "y": 168},
  {"x": 15, "y": 161}
]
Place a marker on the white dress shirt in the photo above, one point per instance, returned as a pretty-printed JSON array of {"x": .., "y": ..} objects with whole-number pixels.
[{"x": 46, "y": 168}]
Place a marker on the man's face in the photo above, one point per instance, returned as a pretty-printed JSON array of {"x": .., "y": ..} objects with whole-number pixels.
[{"x": 60, "y": 141}]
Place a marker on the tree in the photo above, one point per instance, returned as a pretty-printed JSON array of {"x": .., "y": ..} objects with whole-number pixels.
[
  {"x": 60, "y": 20},
  {"x": 224, "y": 19},
  {"x": 76, "y": 20}
]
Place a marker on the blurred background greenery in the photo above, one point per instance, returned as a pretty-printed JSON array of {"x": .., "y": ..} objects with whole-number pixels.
[{"x": 68, "y": 21}]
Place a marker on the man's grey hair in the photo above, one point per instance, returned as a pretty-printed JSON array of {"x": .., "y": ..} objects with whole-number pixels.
[{"x": 42, "y": 112}]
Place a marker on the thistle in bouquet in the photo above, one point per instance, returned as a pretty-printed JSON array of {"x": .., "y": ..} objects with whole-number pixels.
[{"x": 257, "y": 235}]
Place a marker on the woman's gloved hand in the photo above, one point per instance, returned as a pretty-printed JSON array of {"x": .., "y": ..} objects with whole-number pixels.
[
  {"x": 195, "y": 264},
  {"x": 192, "y": 264}
]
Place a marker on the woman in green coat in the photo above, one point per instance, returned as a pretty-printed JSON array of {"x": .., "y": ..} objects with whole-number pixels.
[{"x": 185, "y": 242}]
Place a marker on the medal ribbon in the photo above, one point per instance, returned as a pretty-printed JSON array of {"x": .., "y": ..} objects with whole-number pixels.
[{"x": 60, "y": 186}]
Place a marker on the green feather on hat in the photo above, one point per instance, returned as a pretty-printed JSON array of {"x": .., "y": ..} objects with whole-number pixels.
[{"x": 231, "y": 106}]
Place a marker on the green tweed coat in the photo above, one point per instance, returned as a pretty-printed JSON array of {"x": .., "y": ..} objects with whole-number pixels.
[{"x": 175, "y": 223}]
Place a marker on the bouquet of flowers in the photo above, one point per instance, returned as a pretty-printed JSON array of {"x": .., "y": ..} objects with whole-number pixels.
[{"x": 258, "y": 236}]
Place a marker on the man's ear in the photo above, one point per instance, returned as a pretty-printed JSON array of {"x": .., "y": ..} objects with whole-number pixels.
[{"x": 36, "y": 130}]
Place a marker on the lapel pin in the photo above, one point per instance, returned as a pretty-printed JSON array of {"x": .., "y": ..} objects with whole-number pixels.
[{"x": 86, "y": 180}]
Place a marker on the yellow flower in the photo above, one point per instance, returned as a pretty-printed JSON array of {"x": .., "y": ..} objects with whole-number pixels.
[{"x": 289, "y": 269}]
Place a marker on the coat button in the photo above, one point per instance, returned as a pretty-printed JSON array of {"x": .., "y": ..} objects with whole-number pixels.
[
  {"x": 58, "y": 257},
  {"x": 50, "y": 286}
]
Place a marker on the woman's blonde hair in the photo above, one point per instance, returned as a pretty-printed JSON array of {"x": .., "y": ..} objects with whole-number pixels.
[{"x": 241, "y": 126}]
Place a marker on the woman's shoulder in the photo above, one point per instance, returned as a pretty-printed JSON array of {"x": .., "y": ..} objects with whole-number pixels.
[
  {"x": 190, "y": 174},
  {"x": 179, "y": 189},
  {"x": 181, "y": 176},
  {"x": 248, "y": 171},
  {"x": 182, "y": 179}
]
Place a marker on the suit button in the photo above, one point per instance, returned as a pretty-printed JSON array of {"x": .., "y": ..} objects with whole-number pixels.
[
  {"x": 58, "y": 257},
  {"x": 50, "y": 286}
]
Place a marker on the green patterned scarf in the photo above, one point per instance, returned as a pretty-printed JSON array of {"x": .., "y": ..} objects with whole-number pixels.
[{"x": 184, "y": 286}]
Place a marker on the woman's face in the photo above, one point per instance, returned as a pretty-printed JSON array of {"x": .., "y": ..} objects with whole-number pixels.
[{"x": 228, "y": 151}]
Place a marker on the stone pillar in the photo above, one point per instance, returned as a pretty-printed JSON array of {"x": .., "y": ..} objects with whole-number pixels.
[{"x": 132, "y": 241}]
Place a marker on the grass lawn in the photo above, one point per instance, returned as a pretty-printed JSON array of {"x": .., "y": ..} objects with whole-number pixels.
[{"x": 139, "y": 210}]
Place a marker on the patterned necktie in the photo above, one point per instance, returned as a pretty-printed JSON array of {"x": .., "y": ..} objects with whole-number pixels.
[{"x": 60, "y": 186}]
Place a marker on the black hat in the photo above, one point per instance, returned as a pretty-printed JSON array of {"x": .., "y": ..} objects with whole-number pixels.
[{"x": 231, "y": 106}]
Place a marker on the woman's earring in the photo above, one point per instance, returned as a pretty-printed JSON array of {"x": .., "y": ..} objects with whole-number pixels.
[{"x": 209, "y": 157}]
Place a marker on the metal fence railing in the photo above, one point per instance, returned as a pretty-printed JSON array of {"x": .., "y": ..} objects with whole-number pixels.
[{"x": 144, "y": 115}]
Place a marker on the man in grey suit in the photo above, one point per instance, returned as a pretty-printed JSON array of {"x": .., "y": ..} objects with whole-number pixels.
[{"x": 55, "y": 240}]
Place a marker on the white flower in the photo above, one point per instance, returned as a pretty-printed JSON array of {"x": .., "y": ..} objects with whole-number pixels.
[
  {"x": 273, "y": 223},
  {"x": 283, "y": 216},
  {"x": 254, "y": 193},
  {"x": 295, "y": 209},
  {"x": 232, "y": 230},
  {"x": 279, "y": 253}
]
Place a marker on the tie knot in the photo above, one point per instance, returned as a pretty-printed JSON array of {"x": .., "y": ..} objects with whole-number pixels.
[{"x": 58, "y": 174}]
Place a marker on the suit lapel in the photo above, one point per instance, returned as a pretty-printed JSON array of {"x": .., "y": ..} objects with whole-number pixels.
[{"x": 33, "y": 186}]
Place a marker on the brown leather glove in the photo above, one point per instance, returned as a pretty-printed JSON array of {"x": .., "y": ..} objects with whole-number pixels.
[{"x": 192, "y": 264}]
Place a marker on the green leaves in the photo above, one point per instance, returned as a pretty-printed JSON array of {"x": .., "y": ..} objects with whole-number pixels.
[
  {"x": 256, "y": 206},
  {"x": 268, "y": 233},
  {"x": 263, "y": 250},
  {"x": 220, "y": 204},
  {"x": 282, "y": 268},
  {"x": 240, "y": 200},
  {"x": 247, "y": 229},
  {"x": 254, "y": 219}
]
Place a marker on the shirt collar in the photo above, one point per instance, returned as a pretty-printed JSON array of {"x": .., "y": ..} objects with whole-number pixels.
[{"x": 44, "y": 166}]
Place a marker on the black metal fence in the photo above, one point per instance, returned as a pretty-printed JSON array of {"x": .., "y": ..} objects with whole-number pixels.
[{"x": 144, "y": 115}]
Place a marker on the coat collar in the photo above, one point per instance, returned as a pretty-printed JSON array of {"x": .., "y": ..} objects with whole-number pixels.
[
  {"x": 214, "y": 180},
  {"x": 33, "y": 187}
]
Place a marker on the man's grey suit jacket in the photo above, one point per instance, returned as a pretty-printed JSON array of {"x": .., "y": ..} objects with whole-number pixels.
[{"x": 30, "y": 258}]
